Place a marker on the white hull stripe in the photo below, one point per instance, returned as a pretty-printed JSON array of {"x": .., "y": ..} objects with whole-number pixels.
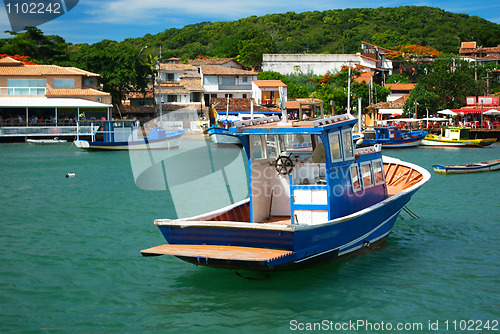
[{"x": 354, "y": 241}]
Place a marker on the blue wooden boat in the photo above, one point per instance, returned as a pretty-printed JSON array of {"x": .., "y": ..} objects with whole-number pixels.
[
  {"x": 127, "y": 135},
  {"x": 313, "y": 198},
  {"x": 476, "y": 167},
  {"x": 222, "y": 136},
  {"x": 392, "y": 137}
]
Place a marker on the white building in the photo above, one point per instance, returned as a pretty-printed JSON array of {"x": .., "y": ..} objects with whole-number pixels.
[
  {"x": 226, "y": 82},
  {"x": 371, "y": 56}
]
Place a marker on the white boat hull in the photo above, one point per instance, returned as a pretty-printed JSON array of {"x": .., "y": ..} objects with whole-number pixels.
[
  {"x": 125, "y": 146},
  {"x": 46, "y": 141},
  {"x": 222, "y": 139}
]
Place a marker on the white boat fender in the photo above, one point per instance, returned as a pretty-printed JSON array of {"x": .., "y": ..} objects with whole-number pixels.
[{"x": 70, "y": 174}]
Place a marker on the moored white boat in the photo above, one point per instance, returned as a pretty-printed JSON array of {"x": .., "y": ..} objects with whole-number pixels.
[
  {"x": 55, "y": 140},
  {"x": 452, "y": 136},
  {"x": 476, "y": 167},
  {"x": 305, "y": 206},
  {"x": 222, "y": 136},
  {"x": 127, "y": 135}
]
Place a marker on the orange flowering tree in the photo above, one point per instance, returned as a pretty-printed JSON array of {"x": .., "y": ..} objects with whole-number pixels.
[
  {"x": 407, "y": 52},
  {"x": 23, "y": 59}
]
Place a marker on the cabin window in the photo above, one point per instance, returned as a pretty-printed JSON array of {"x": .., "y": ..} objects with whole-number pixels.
[
  {"x": 257, "y": 149},
  {"x": 356, "y": 185},
  {"x": 272, "y": 146},
  {"x": 336, "y": 153},
  {"x": 366, "y": 175},
  {"x": 378, "y": 172},
  {"x": 348, "y": 145}
]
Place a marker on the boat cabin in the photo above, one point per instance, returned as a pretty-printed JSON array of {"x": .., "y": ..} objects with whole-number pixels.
[
  {"x": 120, "y": 131},
  {"x": 309, "y": 172},
  {"x": 455, "y": 132},
  {"x": 387, "y": 132}
]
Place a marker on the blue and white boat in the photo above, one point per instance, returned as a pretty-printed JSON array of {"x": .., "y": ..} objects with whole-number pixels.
[
  {"x": 127, "y": 135},
  {"x": 306, "y": 206},
  {"x": 476, "y": 167},
  {"x": 392, "y": 137},
  {"x": 222, "y": 136}
]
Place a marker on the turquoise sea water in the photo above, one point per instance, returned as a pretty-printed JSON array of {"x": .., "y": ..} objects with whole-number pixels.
[{"x": 70, "y": 257}]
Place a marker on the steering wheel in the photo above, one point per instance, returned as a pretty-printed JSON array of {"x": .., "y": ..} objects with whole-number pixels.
[{"x": 283, "y": 165}]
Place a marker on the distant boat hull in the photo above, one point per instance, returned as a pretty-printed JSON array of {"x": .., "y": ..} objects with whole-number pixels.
[
  {"x": 409, "y": 140},
  {"x": 221, "y": 136},
  {"x": 444, "y": 141},
  {"x": 172, "y": 141},
  {"x": 484, "y": 166},
  {"x": 46, "y": 141}
]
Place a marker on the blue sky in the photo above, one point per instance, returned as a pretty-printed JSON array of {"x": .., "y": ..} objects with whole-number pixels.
[{"x": 94, "y": 20}]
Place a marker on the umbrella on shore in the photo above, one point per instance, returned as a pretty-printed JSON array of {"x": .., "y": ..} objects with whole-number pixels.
[
  {"x": 492, "y": 112},
  {"x": 447, "y": 112}
]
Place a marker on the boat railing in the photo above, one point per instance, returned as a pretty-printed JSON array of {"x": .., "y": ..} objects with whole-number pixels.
[{"x": 371, "y": 149}]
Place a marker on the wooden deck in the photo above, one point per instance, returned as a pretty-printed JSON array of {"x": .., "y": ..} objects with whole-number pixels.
[{"x": 217, "y": 252}]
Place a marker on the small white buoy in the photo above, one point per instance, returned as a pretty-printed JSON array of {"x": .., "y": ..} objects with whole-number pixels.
[{"x": 70, "y": 175}]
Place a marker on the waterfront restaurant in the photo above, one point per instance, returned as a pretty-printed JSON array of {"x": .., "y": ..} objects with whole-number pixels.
[{"x": 47, "y": 96}]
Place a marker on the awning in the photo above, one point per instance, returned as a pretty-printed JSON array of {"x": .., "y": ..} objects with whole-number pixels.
[
  {"x": 43, "y": 102},
  {"x": 390, "y": 111},
  {"x": 468, "y": 111}
]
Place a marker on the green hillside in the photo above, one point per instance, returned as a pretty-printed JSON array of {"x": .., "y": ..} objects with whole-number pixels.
[{"x": 331, "y": 31}]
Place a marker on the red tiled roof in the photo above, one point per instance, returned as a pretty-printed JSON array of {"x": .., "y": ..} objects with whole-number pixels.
[
  {"x": 468, "y": 45},
  {"x": 75, "y": 91},
  {"x": 8, "y": 61},
  {"x": 43, "y": 70},
  {"x": 178, "y": 67},
  {"x": 400, "y": 86},
  {"x": 211, "y": 61},
  {"x": 365, "y": 76},
  {"x": 269, "y": 83},
  {"x": 294, "y": 104},
  {"x": 217, "y": 70}
]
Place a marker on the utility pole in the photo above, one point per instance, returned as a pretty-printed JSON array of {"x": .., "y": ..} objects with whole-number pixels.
[{"x": 349, "y": 91}]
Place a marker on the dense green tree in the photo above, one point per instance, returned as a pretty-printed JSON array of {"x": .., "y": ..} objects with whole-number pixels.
[
  {"x": 448, "y": 82},
  {"x": 122, "y": 67},
  {"x": 42, "y": 49},
  {"x": 335, "y": 88},
  {"x": 294, "y": 90}
]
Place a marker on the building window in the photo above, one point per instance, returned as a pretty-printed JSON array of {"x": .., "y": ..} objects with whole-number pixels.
[
  {"x": 172, "y": 98},
  {"x": 228, "y": 80},
  {"x": 244, "y": 96},
  {"x": 141, "y": 103},
  {"x": 196, "y": 97},
  {"x": 64, "y": 83},
  {"x": 210, "y": 80},
  {"x": 89, "y": 82},
  {"x": 26, "y": 86},
  {"x": 244, "y": 79}
]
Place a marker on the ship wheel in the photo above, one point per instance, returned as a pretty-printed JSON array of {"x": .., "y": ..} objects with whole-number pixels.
[{"x": 283, "y": 165}]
